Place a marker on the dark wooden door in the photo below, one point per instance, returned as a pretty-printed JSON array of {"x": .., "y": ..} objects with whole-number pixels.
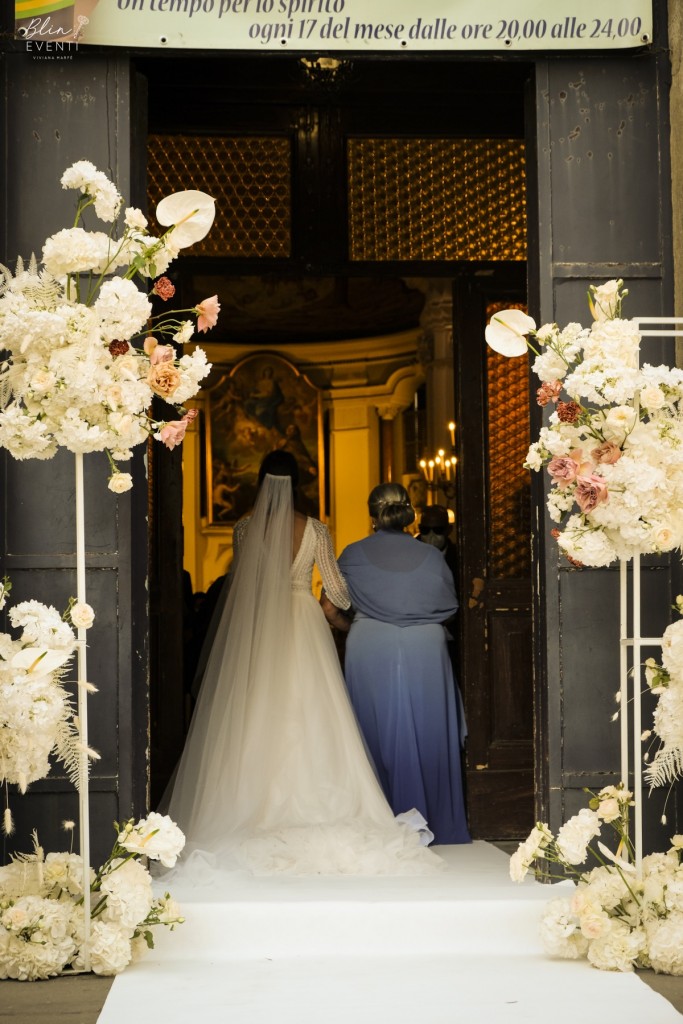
[{"x": 493, "y": 528}]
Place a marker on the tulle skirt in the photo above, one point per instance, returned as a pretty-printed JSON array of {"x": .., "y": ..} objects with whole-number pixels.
[{"x": 295, "y": 791}]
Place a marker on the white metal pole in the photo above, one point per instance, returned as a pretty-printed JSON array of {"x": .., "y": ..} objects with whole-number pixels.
[
  {"x": 637, "y": 724},
  {"x": 623, "y": 668},
  {"x": 84, "y": 790}
]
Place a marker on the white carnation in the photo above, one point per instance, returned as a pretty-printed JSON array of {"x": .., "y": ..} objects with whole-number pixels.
[
  {"x": 184, "y": 334},
  {"x": 549, "y": 366},
  {"x": 575, "y": 834},
  {"x": 135, "y": 218}
]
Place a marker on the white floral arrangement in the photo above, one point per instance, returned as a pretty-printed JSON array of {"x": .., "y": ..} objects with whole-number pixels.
[
  {"x": 617, "y": 918},
  {"x": 41, "y": 904},
  {"x": 85, "y": 358},
  {"x": 36, "y": 715},
  {"x": 613, "y": 445},
  {"x": 665, "y": 681}
]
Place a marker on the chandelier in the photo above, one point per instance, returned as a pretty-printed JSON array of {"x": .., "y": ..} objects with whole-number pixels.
[{"x": 439, "y": 470}]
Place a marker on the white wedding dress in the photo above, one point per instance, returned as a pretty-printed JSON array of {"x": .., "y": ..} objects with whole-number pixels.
[{"x": 275, "y": 776}]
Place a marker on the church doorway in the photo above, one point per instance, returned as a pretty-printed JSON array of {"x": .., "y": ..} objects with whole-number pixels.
[{"x": 371, "y": 216}]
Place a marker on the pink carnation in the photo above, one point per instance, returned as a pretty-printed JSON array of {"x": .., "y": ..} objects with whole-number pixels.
[
  {"x": 172, "y": 434},
  {"x": 549, "y": 391},
  {"x": 207, "y": 312}
]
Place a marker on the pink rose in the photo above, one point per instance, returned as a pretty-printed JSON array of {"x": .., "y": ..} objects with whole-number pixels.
[
  {"x": 590, "y": 492},
  {"x": 607, "y": 453},
  {"x": 207, "y": 312},
  {"x": 161, "y": 354},
  {"x": 564, "y": 470}
]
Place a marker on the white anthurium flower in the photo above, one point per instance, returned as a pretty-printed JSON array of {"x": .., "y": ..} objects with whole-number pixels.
[
  {"x": 191, "y": 214},
  {"x": 507, "y": 331},
  {"x": 619, "y": 861},
  {"x": 39, "y": 661}
]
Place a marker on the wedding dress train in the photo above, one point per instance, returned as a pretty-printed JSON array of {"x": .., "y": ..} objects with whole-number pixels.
[{"x": 275, "y": 776}]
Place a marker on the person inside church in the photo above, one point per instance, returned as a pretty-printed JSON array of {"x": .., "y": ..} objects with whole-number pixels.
[{"x": 435, "y": 528}]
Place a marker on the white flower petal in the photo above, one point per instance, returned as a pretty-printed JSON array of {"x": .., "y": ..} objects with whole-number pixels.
[
  {"x": 191, "y": 212},
  {"x": 40, "y": 661},
  {"x": 507, "y": 331}
]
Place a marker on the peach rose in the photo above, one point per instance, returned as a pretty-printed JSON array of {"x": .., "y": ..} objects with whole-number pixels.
[
  {"x": 163, "y": 378},
  {"x": 607, "y": 453}
]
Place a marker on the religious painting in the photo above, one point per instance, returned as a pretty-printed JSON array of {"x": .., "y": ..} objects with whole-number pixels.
[{"x": 263, "y": 403}]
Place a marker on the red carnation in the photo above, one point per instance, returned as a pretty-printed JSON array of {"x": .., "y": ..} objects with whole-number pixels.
[
  {"x": 164, "y": 288},
  {"x": 568, "y": 412}
]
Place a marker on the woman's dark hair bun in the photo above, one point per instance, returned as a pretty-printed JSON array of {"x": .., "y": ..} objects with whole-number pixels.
[{"x": 279, "y": 463}]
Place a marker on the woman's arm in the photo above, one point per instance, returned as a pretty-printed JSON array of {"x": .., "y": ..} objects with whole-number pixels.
[
  {"x": 334, "y": 583},
  {"x": 335, "y": 616}
]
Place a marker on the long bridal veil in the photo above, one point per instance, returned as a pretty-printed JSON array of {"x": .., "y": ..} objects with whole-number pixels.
[{"x": 219, "y": 785}]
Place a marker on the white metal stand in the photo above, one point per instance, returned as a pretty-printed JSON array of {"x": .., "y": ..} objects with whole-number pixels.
[
  {"x": 667, "y": 327},
  {"x": 84, "y": 789}
]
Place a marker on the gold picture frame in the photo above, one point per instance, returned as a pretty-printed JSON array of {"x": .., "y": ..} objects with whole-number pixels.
[{"x": 260, "y": 404}]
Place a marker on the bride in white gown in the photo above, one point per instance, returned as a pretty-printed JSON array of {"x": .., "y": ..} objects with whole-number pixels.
[{"x": 275, "y": 776}]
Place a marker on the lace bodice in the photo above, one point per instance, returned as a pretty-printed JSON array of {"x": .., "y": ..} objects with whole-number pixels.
[{"x": 315, "y": 548}]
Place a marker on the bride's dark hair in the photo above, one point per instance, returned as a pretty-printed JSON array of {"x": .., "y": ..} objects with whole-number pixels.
[{"x": 280, "y": 463}]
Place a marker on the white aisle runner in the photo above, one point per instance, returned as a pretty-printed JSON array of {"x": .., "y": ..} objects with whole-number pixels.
[{"x": 460, "y": 948}]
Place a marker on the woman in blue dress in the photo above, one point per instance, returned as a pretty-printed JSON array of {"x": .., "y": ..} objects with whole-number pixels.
[{"x": 398, "y": 671}]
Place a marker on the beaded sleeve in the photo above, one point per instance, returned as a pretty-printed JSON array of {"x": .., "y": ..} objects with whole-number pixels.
[{"x": 333, "y": 581}]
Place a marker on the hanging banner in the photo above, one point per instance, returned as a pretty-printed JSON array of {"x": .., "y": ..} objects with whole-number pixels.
[{"x": 328, "y": 26}]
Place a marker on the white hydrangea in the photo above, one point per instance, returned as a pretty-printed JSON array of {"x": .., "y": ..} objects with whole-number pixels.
[
  {"x": 128, "y": 890},
  {"x": 110, "y": 949},
  {"x": 123, "y": 309},
  {"x": 76, "y": 251},
  {"x": 560, "y": 931},
  {"x": 586, "y": 544},
  {"x": 618, "y": 948},
  {"x": 665, "y": 944}
]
